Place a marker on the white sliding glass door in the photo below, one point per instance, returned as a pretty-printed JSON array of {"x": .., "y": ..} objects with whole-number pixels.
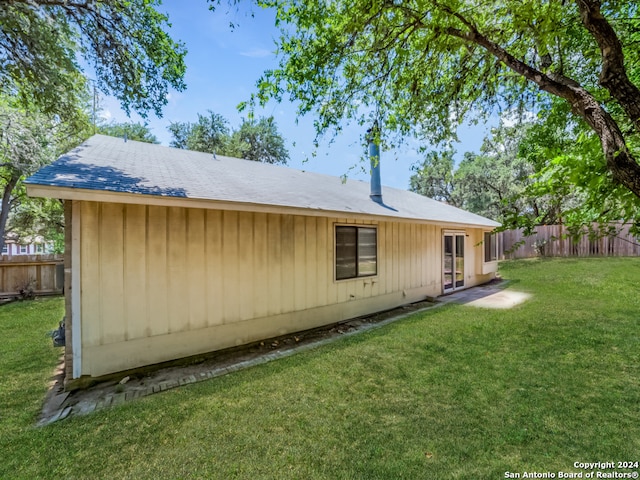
[{"x": 453, "y": 261}]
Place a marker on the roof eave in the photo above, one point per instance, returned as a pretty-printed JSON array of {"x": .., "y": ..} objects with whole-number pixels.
[{"x": 72, "y": 193}]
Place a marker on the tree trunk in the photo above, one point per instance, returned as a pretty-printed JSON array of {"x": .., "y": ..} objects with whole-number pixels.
[
  {"x": 620, "y": 162},
  {"x": 613, "y": 75},
  {"x": 4, "y": 206}
]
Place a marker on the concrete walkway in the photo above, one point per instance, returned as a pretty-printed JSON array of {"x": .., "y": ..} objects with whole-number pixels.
[
  {"x": 493, "y": 295},
  {"x": 60, "y": 404}
]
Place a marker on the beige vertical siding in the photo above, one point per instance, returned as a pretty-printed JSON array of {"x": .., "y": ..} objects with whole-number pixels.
[
  {"x": 160, "y": 283},
  {"x": 474, "y": 266},
  {"x": 156, "y": 285}
]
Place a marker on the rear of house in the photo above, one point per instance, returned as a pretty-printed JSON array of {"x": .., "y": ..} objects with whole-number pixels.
[{"x": 173, "y": 253}]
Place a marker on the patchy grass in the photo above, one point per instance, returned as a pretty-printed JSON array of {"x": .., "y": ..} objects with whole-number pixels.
[
  {"x": 27, "y": 360},
  {"x": 456, "y": 392}
]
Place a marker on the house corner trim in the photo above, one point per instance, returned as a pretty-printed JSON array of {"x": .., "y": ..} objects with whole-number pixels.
[{"x": 76, "y": 322}]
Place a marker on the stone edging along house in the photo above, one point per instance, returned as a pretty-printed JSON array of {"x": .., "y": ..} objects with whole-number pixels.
[{"x": 172, "y": 253}]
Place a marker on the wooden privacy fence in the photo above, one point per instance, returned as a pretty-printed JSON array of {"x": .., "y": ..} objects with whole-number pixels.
[
  {"x": 555, "y": 241},
  {"x": 24, "y": 275}
]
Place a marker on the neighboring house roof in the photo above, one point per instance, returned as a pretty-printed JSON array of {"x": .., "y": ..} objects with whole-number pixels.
[
  {"x": 13, "y": 237},
  {"x": 109, "y": 165}
]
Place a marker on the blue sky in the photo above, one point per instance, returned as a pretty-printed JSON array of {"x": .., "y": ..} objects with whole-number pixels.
[{"x": 223, "y": 66}]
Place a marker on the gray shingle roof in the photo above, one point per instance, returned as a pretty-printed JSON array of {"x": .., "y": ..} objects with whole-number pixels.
[{"x": 110, "y": 164}]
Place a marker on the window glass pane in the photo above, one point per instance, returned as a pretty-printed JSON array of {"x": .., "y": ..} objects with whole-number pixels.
[
  {"x": 490, "y": 254},
  {"x": 459, "y": 260},
  {"x": 459, "y": 245},
  {"x": 487, "y": 247},
  {"x": 448, "y": 262},
  {"x": 367, "y": 251},
  {"x": 346, "y": 252},
  {"x": 494, "y": 247}
]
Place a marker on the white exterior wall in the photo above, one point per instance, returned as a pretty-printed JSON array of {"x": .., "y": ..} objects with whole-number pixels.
[
  {"x": 13, "y": 249},
  {"x": 159, "y": 283}
]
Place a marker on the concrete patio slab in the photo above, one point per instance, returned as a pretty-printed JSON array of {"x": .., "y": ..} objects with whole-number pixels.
[{"x": 494, "y": 295}]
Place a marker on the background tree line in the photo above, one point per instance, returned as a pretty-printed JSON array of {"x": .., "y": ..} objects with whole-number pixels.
[
  {"x": 418, "y": 68},
  {"x": 511, "y": 179},
  {"x": 257, "y": 140}
]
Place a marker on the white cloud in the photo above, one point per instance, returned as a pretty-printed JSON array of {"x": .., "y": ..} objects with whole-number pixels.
[
  {"x": 257, "y": 53},
  {"x": 106, "y": 114},
  {"x": 510, "y": 118},
  {"x": 173, "y": 98}
]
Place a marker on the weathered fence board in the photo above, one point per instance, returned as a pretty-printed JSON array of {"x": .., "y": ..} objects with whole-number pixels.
[
  {"x": 555, "y": 241},
  {"x": 38, "y": 274}
]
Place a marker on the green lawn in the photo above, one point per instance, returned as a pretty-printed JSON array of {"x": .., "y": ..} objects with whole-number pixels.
[{"x": 455, "y": 392}]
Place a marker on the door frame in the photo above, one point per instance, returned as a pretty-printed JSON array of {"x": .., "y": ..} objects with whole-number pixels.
[{"x": 453, "y": 234}]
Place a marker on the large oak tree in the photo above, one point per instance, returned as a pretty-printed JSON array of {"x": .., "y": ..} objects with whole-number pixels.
[
  {"x": 424, "y": 66},
  {"x": 125, "y": 41},
  {"x": 43, "y": 90},
  {"x": 28, "y": 141}
]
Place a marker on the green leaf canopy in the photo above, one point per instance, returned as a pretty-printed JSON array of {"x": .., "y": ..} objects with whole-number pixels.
[
  {"x": 125, "y": 41},
  {"x": 423, "y": 66}
]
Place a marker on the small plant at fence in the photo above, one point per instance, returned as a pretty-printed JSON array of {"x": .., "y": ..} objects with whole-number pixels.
[
  {"x": 540, "y": 247},
  {"x": 26, "y": 289}
]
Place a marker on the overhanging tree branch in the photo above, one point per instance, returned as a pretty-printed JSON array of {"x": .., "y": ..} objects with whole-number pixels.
[
  {"x": 622, "y": 164},
  {"x": 134, "y": 58}
]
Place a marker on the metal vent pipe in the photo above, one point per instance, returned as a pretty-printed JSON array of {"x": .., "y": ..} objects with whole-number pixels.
[{"x": 374, "y": 156}]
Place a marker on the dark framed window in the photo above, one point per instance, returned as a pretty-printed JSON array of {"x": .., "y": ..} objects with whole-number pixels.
[
  {"x": 490, "y": 247},
  {"x": 356, "y": 252}
]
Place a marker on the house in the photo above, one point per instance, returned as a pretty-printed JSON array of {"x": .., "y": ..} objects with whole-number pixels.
[
  {"x": 173, "y": 253},
  {"x": 32, "y": 245}
]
